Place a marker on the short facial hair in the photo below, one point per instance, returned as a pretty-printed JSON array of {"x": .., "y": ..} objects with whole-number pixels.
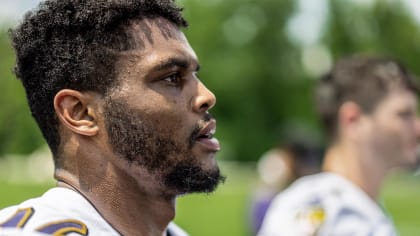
[{"x": 141, "y": 139}]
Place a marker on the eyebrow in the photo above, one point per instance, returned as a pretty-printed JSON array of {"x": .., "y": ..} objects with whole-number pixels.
[{"x": 173, "y": 62}]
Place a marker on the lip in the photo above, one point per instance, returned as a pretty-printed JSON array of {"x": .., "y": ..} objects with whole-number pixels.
[{"x": 205, "y": 138}]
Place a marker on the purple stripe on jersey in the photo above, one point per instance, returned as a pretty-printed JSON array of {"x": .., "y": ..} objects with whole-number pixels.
[
  {"x": 64, "y": 227},
  {"x": 19, "y": 219}
]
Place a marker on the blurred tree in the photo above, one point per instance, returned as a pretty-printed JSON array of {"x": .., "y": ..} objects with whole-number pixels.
[
  {"x": 252, "y": 68},
  {"x": 18, "y": 131},
  {"x": 258, "y": 72},
  {"x": 384, "y": 28}
]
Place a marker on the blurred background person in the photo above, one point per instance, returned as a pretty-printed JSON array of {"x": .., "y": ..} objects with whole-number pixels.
[
  {"x": 299, "y": 153},
  {"x": 369, "y": 108}
]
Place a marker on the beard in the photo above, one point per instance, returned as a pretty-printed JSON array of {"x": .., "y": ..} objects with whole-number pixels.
[{"x": 148, "y": 141}]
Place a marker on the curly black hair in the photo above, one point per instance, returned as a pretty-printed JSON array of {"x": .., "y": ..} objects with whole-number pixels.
[{"x": 74, "y": 44}]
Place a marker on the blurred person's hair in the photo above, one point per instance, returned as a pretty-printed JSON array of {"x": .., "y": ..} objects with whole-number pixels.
[
  {"x": 76, "y": 44},
  {"x": 362, "y": 80},
  {"x": 304, "y": 145}
]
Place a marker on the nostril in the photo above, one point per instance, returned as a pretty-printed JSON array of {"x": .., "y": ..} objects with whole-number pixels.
[{"x": 205, "y": 106}]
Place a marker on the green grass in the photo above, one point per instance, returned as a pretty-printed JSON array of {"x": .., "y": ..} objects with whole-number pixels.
[
  {"x": 401, "y": 196},
  {"x": 225, "y": 212},
  {"x": 221, "y": 214},
  {"x": 11, "y": 194}
]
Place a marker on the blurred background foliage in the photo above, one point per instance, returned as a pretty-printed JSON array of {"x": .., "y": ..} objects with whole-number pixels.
[{"x": 260, "y": 58}]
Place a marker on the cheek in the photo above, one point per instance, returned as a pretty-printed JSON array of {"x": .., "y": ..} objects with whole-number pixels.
[
  {"x": 167, "y": 114},
  {"x": 398, "y": 135},
  {"x": 173, "y": 123},
  {"x": 387, "y": 136},
  {"x": 170, "y": 111},
  {"x": 405, "y": 130}
]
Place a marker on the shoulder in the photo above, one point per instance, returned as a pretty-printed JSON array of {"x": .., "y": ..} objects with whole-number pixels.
[
  {"x": 323, "y": 204},
  {"x": 308, "y": 190},
  {"x": 58, "y": 210},
  {"x": 174, "y": 230},
  {"x": 298, "y": 210}
]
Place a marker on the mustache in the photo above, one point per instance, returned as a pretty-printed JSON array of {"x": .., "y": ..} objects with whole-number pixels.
[
  {"x": 198, "y": 127},
  {"x": 208, "y": 117}
]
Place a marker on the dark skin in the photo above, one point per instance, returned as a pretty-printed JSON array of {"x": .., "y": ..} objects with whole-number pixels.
[{"x": 159, "y": 80}]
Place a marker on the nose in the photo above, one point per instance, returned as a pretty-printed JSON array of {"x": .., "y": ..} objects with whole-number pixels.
[{"x": 204, "y": 100}]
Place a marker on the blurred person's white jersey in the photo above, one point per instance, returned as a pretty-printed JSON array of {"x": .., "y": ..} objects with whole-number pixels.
[{"x": 325, "y": 204}]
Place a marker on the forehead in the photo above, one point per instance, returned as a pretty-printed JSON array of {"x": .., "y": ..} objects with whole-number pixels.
[
  {"x": 153, "y": 42},
  {"x": 398, "y": 98},
  {"x": 147, "y": 32}
]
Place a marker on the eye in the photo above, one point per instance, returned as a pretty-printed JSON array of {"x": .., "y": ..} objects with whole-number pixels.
[
  {"x": 173, "y": 79},
  {"x": 406, "y": 114}
]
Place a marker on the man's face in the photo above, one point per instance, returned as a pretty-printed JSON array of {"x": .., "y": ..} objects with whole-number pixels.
[
  {"x": 394, "y": 128},
  {"x": 157, "y": 118}
]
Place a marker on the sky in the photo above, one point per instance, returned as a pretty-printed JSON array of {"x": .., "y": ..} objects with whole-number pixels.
[{"x": 12, "y": 10}]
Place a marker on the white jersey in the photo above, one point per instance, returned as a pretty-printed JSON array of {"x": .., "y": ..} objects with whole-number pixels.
[
  {"x": 60, "y": 211},
  {"x": 325, "y": 204}
]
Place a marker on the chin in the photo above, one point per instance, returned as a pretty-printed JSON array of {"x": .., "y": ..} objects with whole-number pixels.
[
  {"x": 409, "y": 162},
  {"x": 209, "y": 163},
  {"x": 190, "y": 178}
]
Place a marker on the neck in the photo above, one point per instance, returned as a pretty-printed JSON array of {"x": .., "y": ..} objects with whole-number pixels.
[
  {"x": 356, "y": 165},
  {"x": 130, "y": 206}
]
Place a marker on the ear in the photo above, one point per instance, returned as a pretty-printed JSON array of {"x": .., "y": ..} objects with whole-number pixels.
[
  {"x": 75, "y": 110},
  {"x": 348, "y": 116}
]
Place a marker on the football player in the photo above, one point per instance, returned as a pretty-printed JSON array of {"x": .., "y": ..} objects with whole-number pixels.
[
  {"x": 369, "y": 107},
  {"x": 114, "y": 88}
]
